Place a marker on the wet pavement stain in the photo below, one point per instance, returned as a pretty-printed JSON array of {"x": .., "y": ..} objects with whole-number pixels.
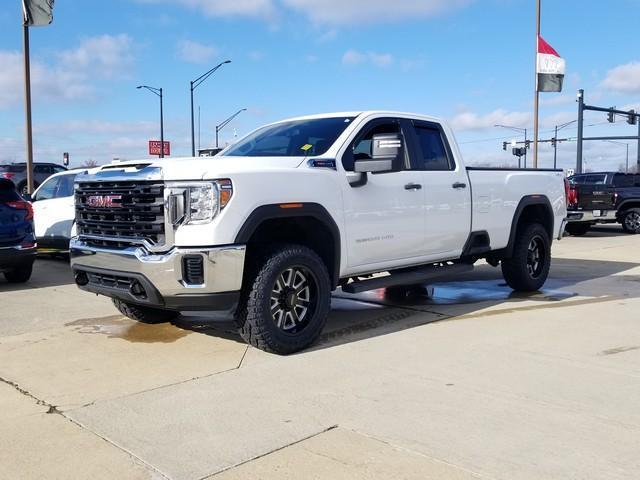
[{"x": 120, "y": 327}]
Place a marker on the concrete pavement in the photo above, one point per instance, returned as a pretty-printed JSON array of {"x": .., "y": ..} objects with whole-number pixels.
[{"x": 473, "y": 383}]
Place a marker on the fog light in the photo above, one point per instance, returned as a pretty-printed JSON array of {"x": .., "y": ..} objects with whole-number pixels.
[
  {"x": 137, "y": 290},
  {"x": 81, "y": 279}
]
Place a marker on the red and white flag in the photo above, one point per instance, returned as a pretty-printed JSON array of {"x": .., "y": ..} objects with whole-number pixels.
[{"x": 550, "y": 68}]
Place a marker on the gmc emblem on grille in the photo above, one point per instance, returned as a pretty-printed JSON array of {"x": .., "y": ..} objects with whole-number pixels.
[{"x": 104, "y": 201}]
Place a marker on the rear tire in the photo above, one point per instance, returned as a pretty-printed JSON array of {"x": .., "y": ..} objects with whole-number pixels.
[
  {"x": 286, "y": 301},
  {"x": 528, "y": 268},
  {"x": 630, "y": 220},
  {"x": 19, "y": 274},
  {"x": 144, "y": 314},
  {"x": 578, "y": 229}
]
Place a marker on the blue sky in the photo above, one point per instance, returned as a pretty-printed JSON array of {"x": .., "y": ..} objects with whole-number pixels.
[{"x": 468, "y": 61}]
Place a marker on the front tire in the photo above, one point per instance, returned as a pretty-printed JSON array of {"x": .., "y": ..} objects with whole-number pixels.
[
  {"x": 285, "y": 303},
  {"x": 20, "y": 274},
  {"x": 527, "y": 270},
  {"x": 144, "y": 314},
  {"x": 577, "y": 229},
  {"x": 631, "y": 221}
]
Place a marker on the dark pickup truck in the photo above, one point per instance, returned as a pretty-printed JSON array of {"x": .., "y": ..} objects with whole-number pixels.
[{"x": 603, "y": 197}]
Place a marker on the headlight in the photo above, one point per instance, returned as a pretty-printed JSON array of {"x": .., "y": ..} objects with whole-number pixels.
[
  {"x": 198, "y": 203},
  {"x": 202, "y": 203}
]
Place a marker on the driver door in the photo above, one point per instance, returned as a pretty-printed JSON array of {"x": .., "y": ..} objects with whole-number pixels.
[{"x": 384, "y": 217}]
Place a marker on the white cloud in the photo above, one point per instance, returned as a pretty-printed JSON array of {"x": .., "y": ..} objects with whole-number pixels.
[
  {"x": 623, "y": 78},
  {"x": 96, "y": 127},
  {"x": 225, "y": 8},
  {"x": 71, "y": 74},
  {"x": 474, "y": 121},
  {"x": 326, "y": 12},
  {"x": 340, "y": 12},
  {"x": 557, "y": 100},
  {"x": 354, "y": 57},
  {"x": 196, "y": 52},
  {"x": 256, "y": 55}
]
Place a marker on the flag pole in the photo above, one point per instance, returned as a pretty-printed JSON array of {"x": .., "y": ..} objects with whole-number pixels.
[
  {"x": 27, "y": 104},
  {"x": 536, "y": 100}
]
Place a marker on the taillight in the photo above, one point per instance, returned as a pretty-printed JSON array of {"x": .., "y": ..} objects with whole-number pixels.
[
  {"x": 23, "y": 205},
  {"x": 571, "y": 193},
  {"x": 7, "y": 175}
]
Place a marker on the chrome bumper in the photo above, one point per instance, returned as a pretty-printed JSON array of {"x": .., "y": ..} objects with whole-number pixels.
[
  {"x": 589, "y": 216},
  {"x": 107, "y": 271}
]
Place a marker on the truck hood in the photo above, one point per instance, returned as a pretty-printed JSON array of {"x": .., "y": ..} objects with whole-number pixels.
[{"x": 199, "y": 168}]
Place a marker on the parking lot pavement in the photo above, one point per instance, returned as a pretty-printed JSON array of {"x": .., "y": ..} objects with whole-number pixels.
[{"x": 475, "y": 382}]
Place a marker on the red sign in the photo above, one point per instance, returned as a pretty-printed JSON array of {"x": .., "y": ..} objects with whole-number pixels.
[{"x": 154, "y": 148}]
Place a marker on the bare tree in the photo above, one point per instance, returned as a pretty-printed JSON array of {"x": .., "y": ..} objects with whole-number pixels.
[{"x": 89, "y": 163}]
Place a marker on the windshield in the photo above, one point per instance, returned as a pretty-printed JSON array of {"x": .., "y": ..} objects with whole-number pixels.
[{"x": 299, "y": 138}]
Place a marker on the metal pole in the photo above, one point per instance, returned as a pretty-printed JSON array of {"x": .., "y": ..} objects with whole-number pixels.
[
  {"x": 555, "y": 149},
  {"x": 536, "y": 101},
  {"x": 580, "y": 130},
  {"x": 27, "y": 107},
  {"x": 626, "y": 170},
  {"x": 198, "y": 128},
  {"x": 638, "y": 164},
  {"x": 217, "y": 131},
  {"x": 525, "y": 148},
  {"x": 193, "y": 135},
  {"x": 161, "y": 127}
]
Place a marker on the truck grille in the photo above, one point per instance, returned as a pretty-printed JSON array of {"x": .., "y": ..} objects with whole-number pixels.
[{"x": 120, "y": 213}]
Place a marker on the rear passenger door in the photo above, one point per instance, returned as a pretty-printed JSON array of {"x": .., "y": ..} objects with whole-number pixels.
[{"x": 446, "y": 188}]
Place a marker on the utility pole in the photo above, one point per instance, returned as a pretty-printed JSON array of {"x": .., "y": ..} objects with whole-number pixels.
[
  {"x": 580, "y": 130},
  {"x": 157, "y": 92},
  {"x": 27, "y": 108},
  {"x": 226, "y": 122},
  {"x": 536, "y": 98}
]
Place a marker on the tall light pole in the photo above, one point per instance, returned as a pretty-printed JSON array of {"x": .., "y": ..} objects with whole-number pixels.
[
  {"x": 555, "y": 143},
  {"x": 626, "y": 170},
  {"x": 226, "y": 122},
  {"x": 192, "y": 86},
  {"x": 520, "y": 130},
  {"x": 158, "y": 92}
]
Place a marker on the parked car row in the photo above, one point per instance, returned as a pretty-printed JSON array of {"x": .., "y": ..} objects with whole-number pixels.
[
  {"x": 17, "y": 173},
  {"x": 604, "y": 197}
]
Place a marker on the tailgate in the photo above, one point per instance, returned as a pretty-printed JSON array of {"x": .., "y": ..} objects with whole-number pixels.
[
  {"x": 595, "y": 197},
  {"x": 13, "y": 226}
]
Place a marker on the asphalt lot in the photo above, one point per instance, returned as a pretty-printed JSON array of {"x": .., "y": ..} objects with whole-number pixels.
[{"x": 473, "y": 383}]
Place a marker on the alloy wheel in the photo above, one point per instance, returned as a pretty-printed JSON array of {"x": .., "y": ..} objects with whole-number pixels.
[
  {"x": 632, "y": 221},
  {"x": 293, "y": 299},
  {"x": 535, "y": 257}
]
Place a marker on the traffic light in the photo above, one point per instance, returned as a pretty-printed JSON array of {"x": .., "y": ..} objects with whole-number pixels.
[
  {"x": 631, "y": 118},
  {"x": 504, "y": 146},
  {"x": 553, "y": 142},
  {"x": 611, "y": 116}
]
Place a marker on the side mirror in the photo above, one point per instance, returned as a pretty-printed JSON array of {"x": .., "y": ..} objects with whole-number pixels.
[{"x": 387, "y": 155}]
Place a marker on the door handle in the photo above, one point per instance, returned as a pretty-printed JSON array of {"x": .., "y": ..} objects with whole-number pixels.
[
  {"x": 412, "y": 186},
  {"x": 459, "y": 185}
]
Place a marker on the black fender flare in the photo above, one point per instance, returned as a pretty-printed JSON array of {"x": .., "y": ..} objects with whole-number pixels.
[
  {"x": 528, "y": 201},
  {"x": 293, "y": 210}
]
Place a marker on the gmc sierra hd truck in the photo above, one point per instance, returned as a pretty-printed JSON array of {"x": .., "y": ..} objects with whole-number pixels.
[{"x": 268, "y": 228}]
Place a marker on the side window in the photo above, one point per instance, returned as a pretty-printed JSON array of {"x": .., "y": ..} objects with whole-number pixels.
[
  {"x": 65, "y": 186},
  {"x": 433, "y": 153},
  {"x": 621, "y": 180},
  {"x": 360, "y": 149},
  {"x": 42, "y": 169},
  {"x": 48, "y": 189},
  {"x": 595, "y": 179}
]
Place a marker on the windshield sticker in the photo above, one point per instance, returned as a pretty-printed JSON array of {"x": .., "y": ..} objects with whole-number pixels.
[{"x": 306, "y": 147}]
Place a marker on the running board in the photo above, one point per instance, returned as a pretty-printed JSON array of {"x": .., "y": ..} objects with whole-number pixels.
[{"x": 413, "y": 277}]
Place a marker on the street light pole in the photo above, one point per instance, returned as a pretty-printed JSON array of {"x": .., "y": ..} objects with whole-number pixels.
[
  {"x": 158, "y": 92},
  {"x": 520, "y": 130},
  {"x": 226, "y": 122},
  {"x": 192, "y": 86}
]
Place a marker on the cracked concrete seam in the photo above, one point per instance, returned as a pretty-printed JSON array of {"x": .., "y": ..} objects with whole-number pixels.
[
  {"x": 252, "y": 459},
  {"x": 52, "y": 409}
]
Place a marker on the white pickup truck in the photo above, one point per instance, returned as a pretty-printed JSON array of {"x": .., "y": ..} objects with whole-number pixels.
[{"x": 271, "y": 226}]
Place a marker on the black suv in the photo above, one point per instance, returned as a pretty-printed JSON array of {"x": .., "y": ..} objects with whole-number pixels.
[
  {"x": 17, "y": 237},
  {"x": 17, "y": 173},
  {"x": 603, "y": 197}
]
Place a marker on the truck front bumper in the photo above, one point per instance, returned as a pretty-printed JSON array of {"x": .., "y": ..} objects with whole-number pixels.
[{"x": 202, "y": 278}]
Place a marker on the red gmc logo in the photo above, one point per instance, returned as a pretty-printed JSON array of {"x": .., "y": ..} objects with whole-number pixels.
[{"x": 104, "y": 201}]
